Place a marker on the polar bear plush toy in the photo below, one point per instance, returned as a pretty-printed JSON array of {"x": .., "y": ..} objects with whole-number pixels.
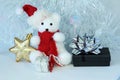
[{"x": 50, "y": 41}]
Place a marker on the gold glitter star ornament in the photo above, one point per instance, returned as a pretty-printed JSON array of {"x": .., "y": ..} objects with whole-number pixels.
[{"x": 22, "y": 49}]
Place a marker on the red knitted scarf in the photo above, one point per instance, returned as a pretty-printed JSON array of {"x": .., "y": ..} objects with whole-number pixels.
[{"x": 47, "y": 44}]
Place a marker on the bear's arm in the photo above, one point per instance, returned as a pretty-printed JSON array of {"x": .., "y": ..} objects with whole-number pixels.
[
  {"x": 35, "y": 40},
  {"x": 59, "y": 37}
]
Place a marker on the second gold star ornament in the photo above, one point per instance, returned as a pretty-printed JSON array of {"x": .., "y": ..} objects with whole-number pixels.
[{"x": 22, "y": 49}]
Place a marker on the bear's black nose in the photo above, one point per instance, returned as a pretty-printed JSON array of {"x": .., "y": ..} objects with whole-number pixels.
[{"x": 47, "y": 29}]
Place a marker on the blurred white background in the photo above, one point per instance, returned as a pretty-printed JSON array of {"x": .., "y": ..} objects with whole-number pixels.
[{"x": 112, "y": 5}]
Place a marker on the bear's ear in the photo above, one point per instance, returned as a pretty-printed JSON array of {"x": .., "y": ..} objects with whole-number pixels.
[
  {"x": 45, "y": 13},
  {"x": 56, "y": 17}
]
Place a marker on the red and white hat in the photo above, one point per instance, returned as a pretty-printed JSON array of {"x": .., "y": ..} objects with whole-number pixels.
[
  {"x": 29, "y": 9},
  {"x": 35, "y": 16}
]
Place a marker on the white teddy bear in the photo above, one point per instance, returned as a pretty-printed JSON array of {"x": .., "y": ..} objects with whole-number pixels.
[{"x": 50, "y": 41}]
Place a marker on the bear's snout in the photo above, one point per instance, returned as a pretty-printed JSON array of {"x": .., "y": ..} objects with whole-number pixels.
[{"x": 47, "y": 29}]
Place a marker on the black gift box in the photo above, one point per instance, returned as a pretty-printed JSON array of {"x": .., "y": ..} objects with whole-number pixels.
[{"x": 90, "y": 59}]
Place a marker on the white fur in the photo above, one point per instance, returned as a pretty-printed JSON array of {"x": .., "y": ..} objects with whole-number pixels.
[
  {"x": 65, "y": 58},
  {"x": 59, "y": 37},
  {"x": 35, "y": 40},
  {"x": 34, "y": 55},
  {"x": 41, "y": 64}
]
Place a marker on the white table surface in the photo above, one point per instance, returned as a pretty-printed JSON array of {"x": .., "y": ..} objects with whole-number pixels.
[{"x": 11, "y": 70}]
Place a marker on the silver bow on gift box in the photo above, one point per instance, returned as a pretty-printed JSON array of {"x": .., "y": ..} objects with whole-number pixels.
[{"x": 86, "y": 44}]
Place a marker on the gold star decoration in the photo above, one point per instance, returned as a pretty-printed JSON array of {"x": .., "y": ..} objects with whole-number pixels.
[{"x": 22, "y": 49}]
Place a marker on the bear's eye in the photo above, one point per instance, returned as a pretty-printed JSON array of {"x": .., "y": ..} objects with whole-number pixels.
[
  {"x": 51, "y": 24},
  {"x": 42, "y": 23}
]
